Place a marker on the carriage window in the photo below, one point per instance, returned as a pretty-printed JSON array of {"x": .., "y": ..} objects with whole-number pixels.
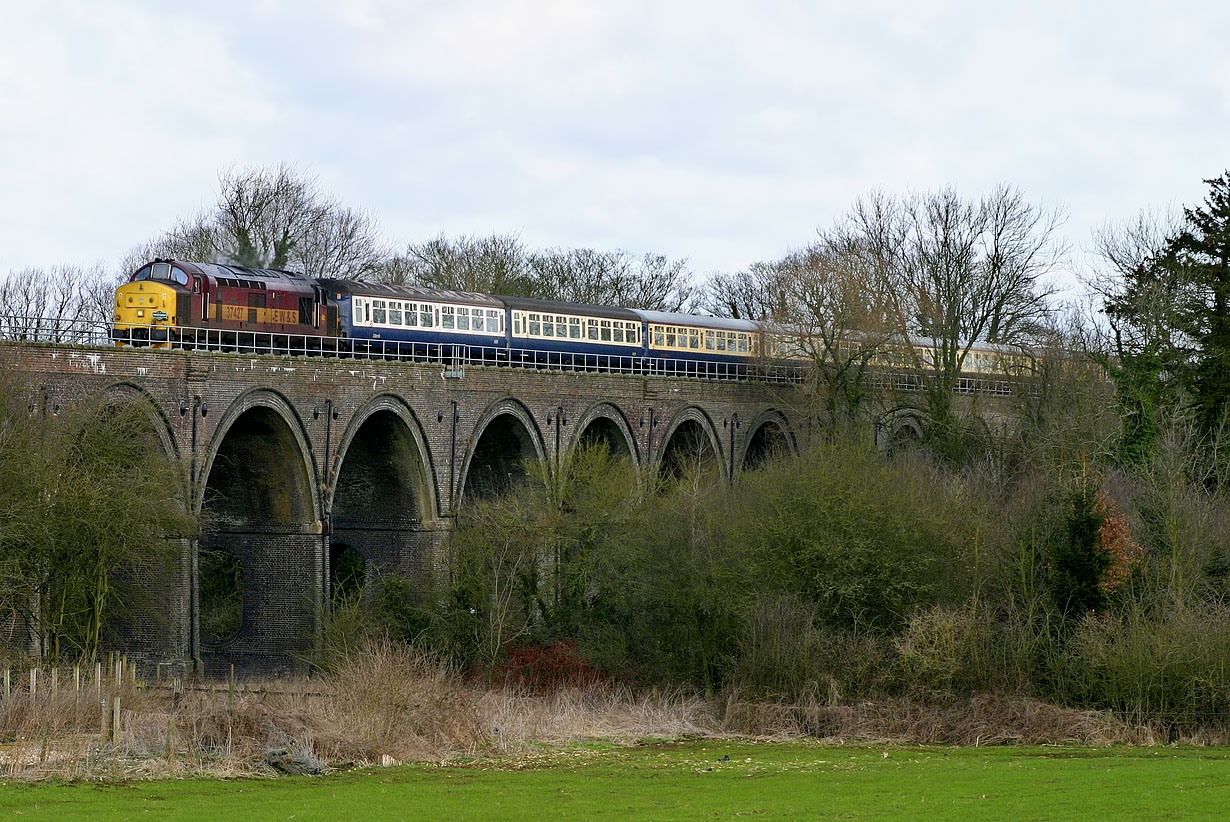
[
  {"x": 618, "y": 333},
  {"x": 742, "y": 344},
  {"x": 463, "y": 319},
  {"x": 535, "y": 326},
  {"x": 693, "y": 339},
  {"x": 670, "y": 338},
  {"x": 517, "y": 325},
  {"x": 659, "y": 339},
  {"x": 425, "y": 316},
  {"x": 721, "y": 341},
  {"x": 606, "y": 330},
  {"x": 591, "y": 329},
  {"x": 493, "y": 321},
  {"x": 394, "y": 313},
  {"x": 378, "y": 311},
  {"x": 634, "y": 333},
  {"x": 548, "y": 325},
  {"x": 446, "y": 316},
  {"x": 574, "y": 328},
  {"x": 412, "y": 314}
]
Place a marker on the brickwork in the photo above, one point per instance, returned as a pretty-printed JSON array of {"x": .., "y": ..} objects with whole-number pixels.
[{"x": 312, "y": 410}]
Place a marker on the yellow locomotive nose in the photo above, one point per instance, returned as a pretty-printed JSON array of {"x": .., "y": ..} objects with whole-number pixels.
[{"x": 143, "y": 311}]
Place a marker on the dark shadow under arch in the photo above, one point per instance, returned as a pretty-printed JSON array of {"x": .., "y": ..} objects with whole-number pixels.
[
  {"x": 347, "y": 575},
  {"x": 500, "y": 459},
  {"x": 382, "y": 481},
  {"x": 257, "y": 477},
  {"x": 604, "y": 432},
  {"x": 769, "y": 442},
  {"x": 221, "y": 594},
  {"x": 689, "y": 448}
]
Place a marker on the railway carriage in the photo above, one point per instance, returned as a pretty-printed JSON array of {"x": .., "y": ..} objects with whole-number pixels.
[
  {"x": 401, "y": 320},
  {"x": 714, "y": 342},
  {"x": 572, "y": 334}
]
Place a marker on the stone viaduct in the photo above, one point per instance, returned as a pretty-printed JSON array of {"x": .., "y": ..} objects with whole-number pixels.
[{"x": 297, "y": 464}]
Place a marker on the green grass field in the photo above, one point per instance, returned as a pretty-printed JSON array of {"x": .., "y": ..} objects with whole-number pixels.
[{"x": 690, "y": 780}]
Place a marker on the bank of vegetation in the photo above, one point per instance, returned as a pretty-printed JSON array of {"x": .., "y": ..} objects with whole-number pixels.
[
  {"x": 1049, "y": 565},
  {"x": 1076, "y": 550}
]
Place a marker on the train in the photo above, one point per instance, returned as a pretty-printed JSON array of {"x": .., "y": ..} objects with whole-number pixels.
[{"x": 170, "y": 303}]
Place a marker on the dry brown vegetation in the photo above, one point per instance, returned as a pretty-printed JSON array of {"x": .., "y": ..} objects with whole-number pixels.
[{"x": 388, "y": 704}]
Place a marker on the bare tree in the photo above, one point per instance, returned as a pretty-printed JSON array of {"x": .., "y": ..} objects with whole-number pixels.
[
  {"x": 500, "y": 264},
  {"x": 1138, "y": 294},
  {"x": 957, "y": 272},
  {"x": 491, "y": 265},
  {"x": 753, "y": 294},
  {"x": 833, "y": 311},
  {"x": 619, "y": 278},
  {"x": 62, "y": 303},
  {"x": 276, "y": 218}
]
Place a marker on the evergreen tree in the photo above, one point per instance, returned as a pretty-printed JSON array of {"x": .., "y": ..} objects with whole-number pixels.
[{"x": 1202, "y": 250}]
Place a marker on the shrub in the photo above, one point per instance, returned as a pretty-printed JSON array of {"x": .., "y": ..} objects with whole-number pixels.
[
  {"x": 1169, "y": 666},
  {"x": 547, "y": 667},
  {"x": 863, "y": 539}
]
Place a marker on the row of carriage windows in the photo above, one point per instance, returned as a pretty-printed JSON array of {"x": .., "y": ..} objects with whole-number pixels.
[
  {"x": 685, "y": 338},
  {"x": 429, "y": 315},
  {"x": 895, "y": 357},
  {"x": 567, "y": 327}
]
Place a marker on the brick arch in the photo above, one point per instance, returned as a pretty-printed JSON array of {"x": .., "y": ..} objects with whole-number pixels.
[
  {"x": 771, "y": 417},
  {"x": 613, "y": 417},
  {"x": 530, "y": 445},
  {"x": 687, "y": 418},
  {"x": 129, "y": 392},
  {"x": 899, "y": 426},
  {"x": 275, "y": 404},
  {"x": 423, "y": 469}
]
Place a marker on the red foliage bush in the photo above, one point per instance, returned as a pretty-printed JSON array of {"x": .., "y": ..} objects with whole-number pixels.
[{"x": 547, "y": 667}]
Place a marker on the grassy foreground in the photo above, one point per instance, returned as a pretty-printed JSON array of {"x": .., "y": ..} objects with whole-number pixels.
[{"x": 691, "y": 780}]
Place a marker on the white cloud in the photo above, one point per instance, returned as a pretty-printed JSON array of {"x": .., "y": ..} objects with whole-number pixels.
[{"x": 721, "y": 131}]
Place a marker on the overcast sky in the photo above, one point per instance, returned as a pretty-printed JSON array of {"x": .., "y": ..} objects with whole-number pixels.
[{"x": 722, "y": 132}]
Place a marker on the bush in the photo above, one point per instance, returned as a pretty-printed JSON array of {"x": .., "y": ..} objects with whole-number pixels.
[
  {"x": 785, "y": 652},
  {"x": 1169, "y": 666},
  {"x": 864, "y": 539},
  {"x": 547, "y": 667}
]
